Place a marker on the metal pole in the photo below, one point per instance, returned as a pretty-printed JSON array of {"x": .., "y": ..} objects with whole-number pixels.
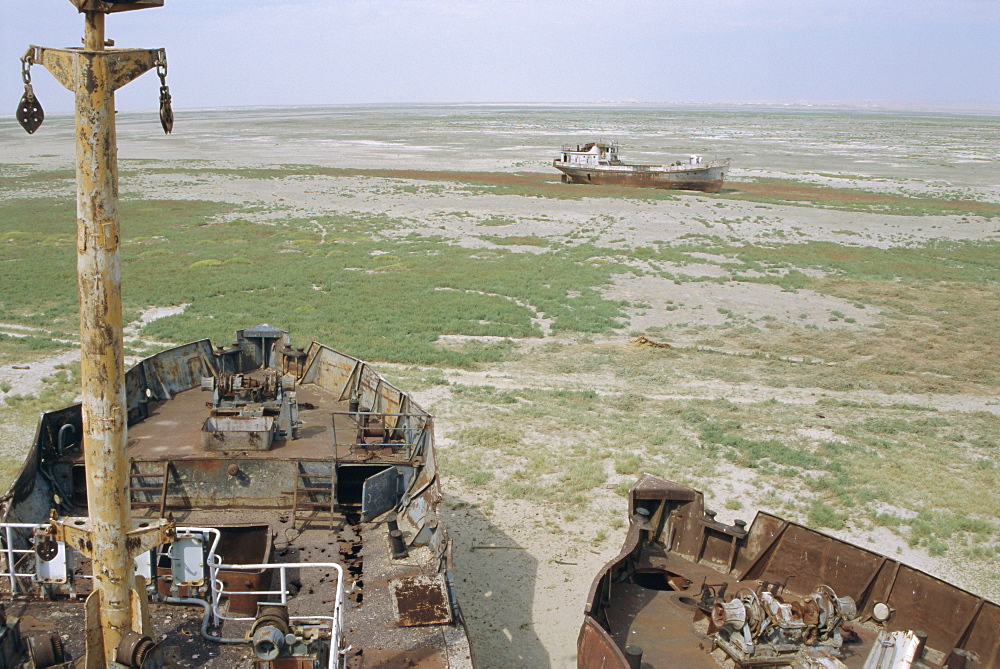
[
  {"x": 101, "y": 347},
  {"x": 11, "y": 562},
  {"x": 93, "y": 73}
]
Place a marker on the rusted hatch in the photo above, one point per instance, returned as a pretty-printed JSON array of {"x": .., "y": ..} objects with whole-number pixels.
[
  {"x": 420, "y": 600},
  {"x": 379, "y": 493}
]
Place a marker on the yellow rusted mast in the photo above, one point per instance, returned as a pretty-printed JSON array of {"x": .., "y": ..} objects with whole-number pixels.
[
  {"x": 102, "y": 365},
  {"x": 93, "y": 73}
]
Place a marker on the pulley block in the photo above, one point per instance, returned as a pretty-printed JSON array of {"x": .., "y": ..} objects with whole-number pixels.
[{"x": 29, "y": 112}]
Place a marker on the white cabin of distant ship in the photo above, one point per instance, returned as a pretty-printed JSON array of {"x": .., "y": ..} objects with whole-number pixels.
[{"x": 594, "y": 153}]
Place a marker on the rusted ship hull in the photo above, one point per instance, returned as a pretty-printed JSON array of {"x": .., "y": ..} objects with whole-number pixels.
[
  {"x": 689, "y": 591},
  {"x": 299, "y": 480},
  {"x": 708, "y": 179}
]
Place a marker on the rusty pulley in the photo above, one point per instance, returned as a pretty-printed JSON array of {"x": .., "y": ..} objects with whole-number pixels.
[
  {"x": 29, "y": 110},
  {"x": 166, "y": 112}
]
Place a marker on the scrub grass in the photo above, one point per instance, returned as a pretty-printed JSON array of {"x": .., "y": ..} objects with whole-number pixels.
[
  {"x": 849, "y": 461},
  {"x": 15, "y": 350},
  {"x": 842, "y": 428},
  {"x": 935, "y": 338},
  {"x": 792, "y": 192},
  {"x": 380, "y": 298}
]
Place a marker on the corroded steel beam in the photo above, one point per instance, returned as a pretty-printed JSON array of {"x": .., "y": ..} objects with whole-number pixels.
[{"x": 108, "y": 6}]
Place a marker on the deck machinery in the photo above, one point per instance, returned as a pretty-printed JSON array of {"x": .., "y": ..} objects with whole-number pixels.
[{"x": 688, "y": 590}]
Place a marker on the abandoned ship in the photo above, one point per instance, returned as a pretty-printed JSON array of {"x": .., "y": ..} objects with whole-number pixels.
[
  {"x": 303, "y": 489},
  {"x": 689, "y": 591},
  {"x": 599, "y": 163},
  {"x": 246, "y": 505}
]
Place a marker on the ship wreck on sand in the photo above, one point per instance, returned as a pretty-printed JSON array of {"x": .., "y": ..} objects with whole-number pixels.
[
  {"x": 690, "y": 591},
  {"x": 599, "y": 163},
  {"x": 303, "y": 489}
]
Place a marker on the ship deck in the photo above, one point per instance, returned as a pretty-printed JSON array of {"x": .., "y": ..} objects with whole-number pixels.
[
  {"x": 667, "y": 623},
  {"x": 173, "y": 428},
  {"x": 369, "y": 606},
  {"x": 380, "y": 590}
]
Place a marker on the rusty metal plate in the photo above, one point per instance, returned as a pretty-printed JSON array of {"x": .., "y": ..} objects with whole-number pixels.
[
  {"x": 420, "y": 600},
  {"x": 418, "y": 658}
]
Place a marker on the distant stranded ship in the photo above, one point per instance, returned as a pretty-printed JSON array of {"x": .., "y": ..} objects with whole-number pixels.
[{"x": 598, "y": 163}]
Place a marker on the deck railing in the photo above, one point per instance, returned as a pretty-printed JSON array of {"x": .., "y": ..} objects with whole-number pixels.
[
  {"x": 332, "y": 624},
  {"x": 400, "y": 432}
]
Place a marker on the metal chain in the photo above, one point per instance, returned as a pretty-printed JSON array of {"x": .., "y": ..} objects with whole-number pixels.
[{"x": 26, "y": 62}]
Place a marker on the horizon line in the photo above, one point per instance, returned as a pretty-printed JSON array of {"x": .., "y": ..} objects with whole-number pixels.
[{"x": 818, "y": 105}]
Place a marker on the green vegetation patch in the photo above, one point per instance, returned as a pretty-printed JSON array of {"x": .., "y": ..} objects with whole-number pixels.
[
  {"x": 378, "y": 298},
  {"x": 17, "y": 349},
  {"x": 933, "y": 261},
  {"x": 517, "y": 240},
  {"x": 792, "y": 192}
]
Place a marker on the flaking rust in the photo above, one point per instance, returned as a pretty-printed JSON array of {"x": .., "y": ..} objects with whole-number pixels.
[
  {"x": 420, "y": 600},
  {"x": 93, "y": 74},
  {"x": 690, "y": 591}
]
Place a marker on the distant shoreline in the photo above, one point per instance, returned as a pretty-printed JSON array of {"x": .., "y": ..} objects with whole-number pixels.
[{"x": 862, "y": 107}]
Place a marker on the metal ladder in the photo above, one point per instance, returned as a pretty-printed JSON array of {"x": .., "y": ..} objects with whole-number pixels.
[
  {"x": 152, "y": 496},
  {"x": 308, "y": 500}
]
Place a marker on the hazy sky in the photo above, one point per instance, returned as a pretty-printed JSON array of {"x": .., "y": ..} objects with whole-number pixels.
[{"x": 307, "y": 52}]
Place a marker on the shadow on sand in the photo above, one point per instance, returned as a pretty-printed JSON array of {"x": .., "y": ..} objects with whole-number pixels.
[{"x": 495, "y": 582}]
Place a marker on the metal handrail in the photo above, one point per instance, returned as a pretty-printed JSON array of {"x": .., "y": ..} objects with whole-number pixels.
[
  {"x": 10, "y": 572},
  {"x": 216, "y": 588},
  {"x": 412, "y": 434},
  {"x": 336, "y": 621}
]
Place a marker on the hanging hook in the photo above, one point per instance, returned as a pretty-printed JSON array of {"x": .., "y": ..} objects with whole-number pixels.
[
  {"x": 166, "y": 112},
  {"x": 29, "y": 110}
]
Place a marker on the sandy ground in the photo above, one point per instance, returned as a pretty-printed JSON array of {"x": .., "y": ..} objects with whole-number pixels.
[{"x": 522, "y": 570}]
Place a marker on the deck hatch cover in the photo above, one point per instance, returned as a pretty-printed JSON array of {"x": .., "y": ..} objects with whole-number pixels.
[
  {"x": 379, "y": 494},
  {"x": 420, "y": 600}
]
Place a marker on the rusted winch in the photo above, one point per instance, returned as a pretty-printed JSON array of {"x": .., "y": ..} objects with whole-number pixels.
[
  {"x": 275, "y": 638},
  {"x": 753, "y": 625}
]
